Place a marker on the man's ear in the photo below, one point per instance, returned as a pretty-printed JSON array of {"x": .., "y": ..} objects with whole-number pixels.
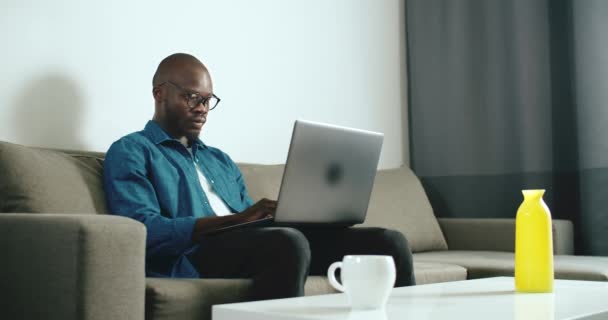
[{"x": 157, "y": 93}]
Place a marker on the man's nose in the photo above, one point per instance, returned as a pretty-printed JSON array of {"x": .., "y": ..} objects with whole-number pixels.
[{"x": 201, "y": 107}]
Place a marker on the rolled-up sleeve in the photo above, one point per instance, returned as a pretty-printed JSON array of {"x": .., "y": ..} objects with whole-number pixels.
[{"x": 130, "y": 193}]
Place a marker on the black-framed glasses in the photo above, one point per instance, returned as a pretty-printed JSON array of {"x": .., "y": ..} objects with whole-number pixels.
[{"x": 195, "y": 98}]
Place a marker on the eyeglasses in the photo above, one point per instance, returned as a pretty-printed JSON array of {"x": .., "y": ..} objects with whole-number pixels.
[{"x": 195, "y": 98}]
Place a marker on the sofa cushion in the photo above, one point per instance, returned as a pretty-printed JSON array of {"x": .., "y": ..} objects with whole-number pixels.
[
  {"x": 431, "y": 272},
  {"x": 182, "y": 299},
  {"x": 40, "y": 180},
  {"x": 479, "y": 264},
  {"x": 581, "y": 267},
  {"x": 483, "y": 264},
  {"x": 398, "y": 201},
  {"x": 190, "y": 299},
  {"x": 262, "y": 181}
]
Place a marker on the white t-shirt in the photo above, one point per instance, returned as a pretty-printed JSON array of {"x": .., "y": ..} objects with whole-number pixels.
[{"x": 217, "y": 204}]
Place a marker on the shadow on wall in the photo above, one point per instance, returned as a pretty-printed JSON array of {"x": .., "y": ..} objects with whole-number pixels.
[{"x": 48, "y": 112}]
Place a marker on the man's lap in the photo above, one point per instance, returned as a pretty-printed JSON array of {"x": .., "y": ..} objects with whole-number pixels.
[{"x": 230, "y": 254}]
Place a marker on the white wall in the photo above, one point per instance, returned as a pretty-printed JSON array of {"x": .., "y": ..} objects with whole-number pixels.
[{"x": 77, "y": 74}]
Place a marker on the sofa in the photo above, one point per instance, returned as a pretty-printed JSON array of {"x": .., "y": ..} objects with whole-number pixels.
[{"x": 65, "y": 257}]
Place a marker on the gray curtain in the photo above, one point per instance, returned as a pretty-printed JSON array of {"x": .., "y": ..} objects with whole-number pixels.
[{"x": 507, "y": 95}]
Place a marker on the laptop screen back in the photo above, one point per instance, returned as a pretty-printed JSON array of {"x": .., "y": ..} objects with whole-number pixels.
[{"x": 329, "y": 174}]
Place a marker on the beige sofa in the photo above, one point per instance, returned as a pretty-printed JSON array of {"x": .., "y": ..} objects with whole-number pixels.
[{"x": 76, "y": 262}]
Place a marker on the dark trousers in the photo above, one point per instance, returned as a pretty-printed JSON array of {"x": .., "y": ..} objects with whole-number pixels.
[{"x": 279, "y": 259}]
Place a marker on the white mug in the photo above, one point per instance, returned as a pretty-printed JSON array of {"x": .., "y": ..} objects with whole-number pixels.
[{"x": 366, "y": 279}]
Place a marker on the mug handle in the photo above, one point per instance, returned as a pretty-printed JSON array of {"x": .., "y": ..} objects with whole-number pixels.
[{"x": 331, "y": 275}]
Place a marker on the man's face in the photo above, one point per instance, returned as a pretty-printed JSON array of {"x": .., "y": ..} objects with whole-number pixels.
[{"x": 182, "y": 119}]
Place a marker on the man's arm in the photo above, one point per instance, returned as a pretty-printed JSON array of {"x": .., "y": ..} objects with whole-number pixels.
[{"x": 130, "y": 193}]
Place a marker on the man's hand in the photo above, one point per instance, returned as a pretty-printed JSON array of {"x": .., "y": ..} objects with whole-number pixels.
[{"x": 262, "y": 209}]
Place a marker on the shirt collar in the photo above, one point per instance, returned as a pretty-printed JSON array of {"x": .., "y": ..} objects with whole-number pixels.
[{"x": 158, "y": 135}]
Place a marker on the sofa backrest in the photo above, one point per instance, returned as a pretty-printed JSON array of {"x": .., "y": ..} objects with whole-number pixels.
[
  {"x": 37, "y": 180},
  {"x": 398, "y": 201}
]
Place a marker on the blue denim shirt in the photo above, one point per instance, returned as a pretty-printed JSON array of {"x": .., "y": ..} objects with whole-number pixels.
[{"x": 152, "y": 178}]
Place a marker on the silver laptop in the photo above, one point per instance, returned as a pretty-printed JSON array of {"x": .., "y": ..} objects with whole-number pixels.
[
  {"x": 329, "y": 174},
  {"x": 328, "y": 178}
]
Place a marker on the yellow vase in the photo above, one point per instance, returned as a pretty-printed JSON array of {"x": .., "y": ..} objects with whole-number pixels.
[{"x": 533, "y": 244}]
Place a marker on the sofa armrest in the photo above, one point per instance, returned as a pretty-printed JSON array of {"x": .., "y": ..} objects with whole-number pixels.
[
  {"x": 498, "y": 234},
  {"x": 563, "y": 236},
  {"x": 71, "y": 266}
]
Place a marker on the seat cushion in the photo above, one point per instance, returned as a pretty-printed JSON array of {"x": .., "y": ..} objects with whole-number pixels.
[
  {"x": 482, "y": 264},
  {"x": 431, "y": 272},
  {"x": 581, "y": 267},
  {"x": 41, "y": 180},
  {"x": 190, "y": 299},
  {"x": 479, "y": 264},
  {"x": 181, "y": 299}
]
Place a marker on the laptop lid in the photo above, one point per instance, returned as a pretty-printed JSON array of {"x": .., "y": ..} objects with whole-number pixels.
[{"x": 329, "y": 174}]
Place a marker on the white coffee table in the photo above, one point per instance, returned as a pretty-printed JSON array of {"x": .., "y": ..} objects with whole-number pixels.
[{"x": 490, "y": 298}]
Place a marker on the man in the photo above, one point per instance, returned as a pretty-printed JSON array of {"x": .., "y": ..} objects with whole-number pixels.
[{"x": 180, "y": 188}]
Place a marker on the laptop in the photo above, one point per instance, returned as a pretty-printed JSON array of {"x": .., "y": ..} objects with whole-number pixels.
[{"x": 328, "y": 177}]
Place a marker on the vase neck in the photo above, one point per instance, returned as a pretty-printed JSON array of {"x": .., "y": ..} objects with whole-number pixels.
[{"x": 533, "y": 194}]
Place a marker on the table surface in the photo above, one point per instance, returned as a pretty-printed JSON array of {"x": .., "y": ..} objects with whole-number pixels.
[{"x": 490, "y": 298}]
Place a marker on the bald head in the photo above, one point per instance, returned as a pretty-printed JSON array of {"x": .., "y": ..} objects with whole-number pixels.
[
  {"x": 178, "y": 67},
  {"x": 179, "y": 79}
]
